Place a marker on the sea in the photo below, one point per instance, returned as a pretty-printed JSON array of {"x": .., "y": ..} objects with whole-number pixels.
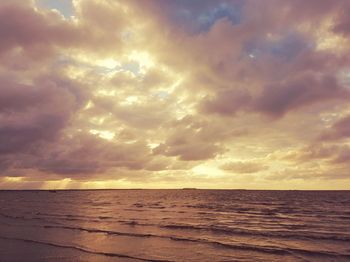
[{"x": 174, "y": 225}]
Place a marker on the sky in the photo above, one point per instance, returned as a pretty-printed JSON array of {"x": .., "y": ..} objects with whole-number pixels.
[{"x": 175, "y": 93}]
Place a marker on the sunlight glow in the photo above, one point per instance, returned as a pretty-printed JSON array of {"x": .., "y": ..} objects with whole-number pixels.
[
  {"x": 57, "y": 184},
  {"x": 13, "y": 179},
  {"x": 208, "y": 170},
  {"x": 326, "y": 39},
  {"x": 108, "y": 135},
  {"x": 144, "y": 59},
  {"x": 129, "y": 100},
  {"x": 108, "y": 63}
]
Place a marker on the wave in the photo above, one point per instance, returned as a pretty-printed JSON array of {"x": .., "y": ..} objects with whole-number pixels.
[
  {"x": 270, "y": 249},
  {"x": 215, "y": 229},
  {"x": 83, "y": 249},
  {"x": 241, "y": 246},
  {"x": 108, "y": 232},
  {"x": 281, "y": 234},
  {"x": 28, "y": 219},
  {"x": 47, "y": 217},
  {"x": 219, "y": 230}
]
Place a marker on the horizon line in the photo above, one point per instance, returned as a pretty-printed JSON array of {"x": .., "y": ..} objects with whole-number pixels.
[{"x": 182, "y": 189}]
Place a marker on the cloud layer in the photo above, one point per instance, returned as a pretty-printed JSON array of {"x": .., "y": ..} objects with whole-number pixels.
[{"x": 213, "y": 94}]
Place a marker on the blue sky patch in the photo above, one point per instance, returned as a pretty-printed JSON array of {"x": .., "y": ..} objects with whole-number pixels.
[
  {"x": 286, "y": 47},
  {"x": 199, "y": 16},
  {"x": 65, "y": 7}
]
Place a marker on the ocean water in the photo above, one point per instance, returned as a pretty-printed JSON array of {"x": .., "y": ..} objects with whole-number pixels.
[{"x": 175, "y": 225}]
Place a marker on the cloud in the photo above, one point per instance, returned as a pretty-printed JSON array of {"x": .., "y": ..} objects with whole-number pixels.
[
  {"x": 191, "y": 140},
  {"x": 227, "y": 102},
  {"x": 302, "y": 91},
  {"x": 342, "y": 21},
  {"x": 312, "y": 152},
  {"x": 246, "y": 167},
  {"x": 164, "y": 91},
  {"x": 36, "y": 112},
  {"x": 188, "y": 151},
  {"x": 87, "y": 154},
  {"x": 339, "y": 130},
  {"x": 278, "y": 98},
  {"x": 23, "y": 27}
]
